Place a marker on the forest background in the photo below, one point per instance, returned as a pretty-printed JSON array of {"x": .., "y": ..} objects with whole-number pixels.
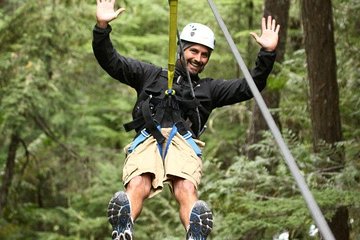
[{"x": 61, "y": 121}]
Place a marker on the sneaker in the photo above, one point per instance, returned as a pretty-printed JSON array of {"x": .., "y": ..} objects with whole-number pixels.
[
  {"x": 119, "y": 215},
  {"x": 201, "y": 222}
]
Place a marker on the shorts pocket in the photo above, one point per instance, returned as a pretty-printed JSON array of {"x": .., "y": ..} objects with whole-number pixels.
[{"x": 130, "y": 167}]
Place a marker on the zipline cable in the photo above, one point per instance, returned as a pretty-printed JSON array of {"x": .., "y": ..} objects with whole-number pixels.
[
  {"x": 309, "y": 199},
  {"x": 172, "y": 44}
]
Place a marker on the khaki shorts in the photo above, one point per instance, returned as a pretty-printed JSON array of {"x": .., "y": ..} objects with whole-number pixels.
[{"x": 180, "y": 161}]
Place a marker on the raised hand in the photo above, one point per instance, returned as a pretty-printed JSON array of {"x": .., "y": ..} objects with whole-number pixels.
[
  {"x": 269, "y": 34},
  {"x": 105, "y": 12}
]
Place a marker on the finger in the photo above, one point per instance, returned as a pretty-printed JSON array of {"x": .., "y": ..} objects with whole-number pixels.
[
  {"x": 277, "y": 29},
  {"x": 273, "y": 25},
  {"x": 269, "y": 22},
  {"x": 263, "y": 24},
  {"x": 119, "y": 11},
  {"x": 255, "y": 36}
]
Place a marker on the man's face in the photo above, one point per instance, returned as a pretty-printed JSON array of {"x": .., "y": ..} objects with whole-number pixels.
[{"x": 196, "y": 57}]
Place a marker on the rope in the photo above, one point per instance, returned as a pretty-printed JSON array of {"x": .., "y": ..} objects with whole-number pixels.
[
  {"x": 183, "y": 61},
  {"x": 172, "y": 44},
  {"x": 309, "y": 199},
  {"x": 172, "y": 53}
]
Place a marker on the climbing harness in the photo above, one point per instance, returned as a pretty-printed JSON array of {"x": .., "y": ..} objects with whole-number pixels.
[
  {"x": 169, "y": 106},
  {"x": 309, "y": 199},
  {"x": 163, "y": 152}
]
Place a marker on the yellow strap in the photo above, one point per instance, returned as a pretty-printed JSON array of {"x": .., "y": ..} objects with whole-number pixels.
[{"x": 172, "y": 44}]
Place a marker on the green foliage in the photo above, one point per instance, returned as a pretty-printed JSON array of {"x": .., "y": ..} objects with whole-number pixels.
[
  {"x": 261, "y": 196},
  {"x": 69, "y": 115}
]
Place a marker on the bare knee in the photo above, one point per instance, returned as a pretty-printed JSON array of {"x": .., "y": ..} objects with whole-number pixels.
[
  {"x": 140, "y": 184},
  {"x": 184, "y": 189}
]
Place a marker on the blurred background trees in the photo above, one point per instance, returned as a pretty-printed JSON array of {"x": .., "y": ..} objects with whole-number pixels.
[{"x": 61, "y": 120}]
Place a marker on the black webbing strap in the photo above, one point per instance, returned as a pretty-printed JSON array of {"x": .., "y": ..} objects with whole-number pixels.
[
  {"x": 150, "y": 125},
  {"x": 135, "y": 124},
  {"x": 167, "y": 114}
]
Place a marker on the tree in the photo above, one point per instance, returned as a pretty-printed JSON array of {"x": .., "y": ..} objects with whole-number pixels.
[
  {"x": 68, "y": 116},
  {"x": 321, "y": 65},
  {"x": 9, "y": 171},
  {"x": 319, "y": 42}
]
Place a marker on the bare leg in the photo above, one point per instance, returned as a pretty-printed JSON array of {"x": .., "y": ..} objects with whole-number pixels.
[
  {"x": 138, "y": 189},
  {"x": 186, "y": 195}
]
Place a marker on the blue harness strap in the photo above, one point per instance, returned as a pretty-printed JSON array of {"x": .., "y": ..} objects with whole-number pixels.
[
  {"x": 192, "y": 143},
  {"x": 139, "y": 139},
  {"x": 171, "y": 136},
  {"x": 187, "y": 136},
  {"x": 144, "y": 135}
]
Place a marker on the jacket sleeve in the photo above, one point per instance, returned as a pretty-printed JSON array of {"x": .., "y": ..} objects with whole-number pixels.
[
  {"x": 226, "y": 92},
  {"x": 127, "y": 70}
]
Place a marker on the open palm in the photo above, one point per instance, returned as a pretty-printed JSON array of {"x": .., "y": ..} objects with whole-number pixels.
[
  {"x": 269, "y": 34},
  {"x": 105, "y": 12}
]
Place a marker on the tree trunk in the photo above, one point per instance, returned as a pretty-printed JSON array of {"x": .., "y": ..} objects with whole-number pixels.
[
  {"x": 339, "y": 224},
  {"x": 9, "y": 171},
  {"x": 318, "y": 26},
  {"x": 280, "y": 11},
  {"x": 321, "y": 64}
]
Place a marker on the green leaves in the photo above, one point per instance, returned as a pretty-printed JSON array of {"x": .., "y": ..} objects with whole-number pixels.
[{"x": 69, "y": 115}]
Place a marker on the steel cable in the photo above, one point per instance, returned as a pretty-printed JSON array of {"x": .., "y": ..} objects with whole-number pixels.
[{"x": 304, "y": 189}]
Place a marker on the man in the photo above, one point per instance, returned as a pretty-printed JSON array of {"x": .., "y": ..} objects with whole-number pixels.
[{"x": 168, "y": 122}]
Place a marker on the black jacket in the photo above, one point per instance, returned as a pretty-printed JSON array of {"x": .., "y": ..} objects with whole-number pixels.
[{"x": 148, "y": 79}]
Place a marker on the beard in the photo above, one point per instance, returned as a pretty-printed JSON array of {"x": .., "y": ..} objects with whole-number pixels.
[{"x": 194, "y": 67}]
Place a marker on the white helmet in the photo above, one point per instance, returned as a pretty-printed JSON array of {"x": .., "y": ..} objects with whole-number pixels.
[{"x": 198, "y": 33}]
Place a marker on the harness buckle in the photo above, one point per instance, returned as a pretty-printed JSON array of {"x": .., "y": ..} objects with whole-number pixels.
[{"x": 170, "y": 92}]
